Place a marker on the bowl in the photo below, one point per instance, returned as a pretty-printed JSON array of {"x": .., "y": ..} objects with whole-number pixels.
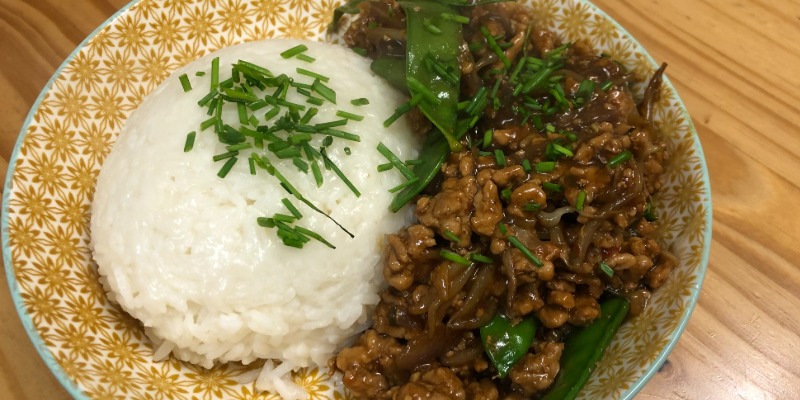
[{"x": 97, "y": 351}]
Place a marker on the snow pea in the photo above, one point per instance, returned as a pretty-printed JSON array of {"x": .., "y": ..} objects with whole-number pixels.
[
  {"x": 506, "y": 344},
  {"x": 391, "y": 69},
  {"x": 440, "y": 93},
  {"x": 584, "y": 348}
]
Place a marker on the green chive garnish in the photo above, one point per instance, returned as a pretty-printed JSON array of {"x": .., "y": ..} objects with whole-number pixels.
[
  {"x": 404, "y": 185},
  {"x": 554, "y": 187},
  {"x": 454, "y": 257},
  {"x": 220, "y": 157},
  {"x": 487, "y": 138},
  {"x": 606, "y": 269},
  {"x": 187, "y": 86},
  {"x": 223, "y": 172},
  {"x": 580, "y": 200},
  {"x": 525, "y": 251},
  {"x": 385, "y": 167},
  {"x": 341, "y": 134},
  {"x": 300, "y": 48},
  {"x": 545, "y": 166},
  {"x": 526, "y": 165},
  {"x": 430, "y": 27},
  {"x": 305, "y": 57},
  {"x": 620, "y": 158},
  {"x": 480, "y": 258},
  {"x": 347, "y": 115},
  {"x": 395, "y": 161},
  {"x": 606, "y": 85},
  {"x": 317, "y": 173},
  {"x": 315, "y": 101},
  {"x": 331, "y": 124},
  {"x": 312, "y": 74},
  {"x": 500, "y": 157},
  {"x": 532, "y": 206},
  {"x": 324, "y": 91},
  {"x": 506, "y": 194},
  {"x": 214, "y": 73},
  {"x": 314, "y": 235},
  {"x": 265, "y": 222},
  {"x": 455, "y": 18},
  {"x": 189, "y": 144},
  {"x": 492, "y": 43},
  {"x": 562, "y": 150},
  {"x": 292, "y": 209},
  {"x": 451, "y": 236},
  {"x": 360, "y": 101}
]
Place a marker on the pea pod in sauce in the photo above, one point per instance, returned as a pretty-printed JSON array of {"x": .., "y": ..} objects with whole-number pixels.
[
  {"x": 584, "y": 348},
  {"x": 505, "y": 343}
]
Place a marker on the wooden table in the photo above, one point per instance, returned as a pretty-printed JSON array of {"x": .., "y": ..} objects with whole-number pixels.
[{"x": 736, "y": 63}]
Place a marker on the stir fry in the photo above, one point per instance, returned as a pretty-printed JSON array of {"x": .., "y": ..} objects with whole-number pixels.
[{"x": 535, "y": 231}]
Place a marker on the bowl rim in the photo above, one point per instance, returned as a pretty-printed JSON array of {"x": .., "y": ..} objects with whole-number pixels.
[{"x": 73, "y": 389}]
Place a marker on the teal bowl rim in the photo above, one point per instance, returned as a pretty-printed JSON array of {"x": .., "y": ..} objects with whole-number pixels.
[{"x": 77, "y": 393}]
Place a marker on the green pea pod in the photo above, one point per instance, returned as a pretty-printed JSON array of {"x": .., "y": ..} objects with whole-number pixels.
[
  {"x": 584, "y": 348},
  {"x": 440, "y": 94},
  {"x": 505, "y": 344},
  {"x": 350, "y": 7},
  {"x": 392, "y": 69}
]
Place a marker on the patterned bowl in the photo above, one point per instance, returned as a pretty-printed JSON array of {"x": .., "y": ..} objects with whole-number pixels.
[{"x": 97, "y": 351}]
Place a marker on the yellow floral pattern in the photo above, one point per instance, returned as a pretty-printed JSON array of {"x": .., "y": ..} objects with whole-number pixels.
[{"x": 103, "y": 351}]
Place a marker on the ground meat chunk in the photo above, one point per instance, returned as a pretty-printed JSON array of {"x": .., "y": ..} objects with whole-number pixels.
[
  {"x": 536, "y": 372},
  {"x": 403, "y": 250},
  {"x": 450, "y": 209},
  {"x": 488, "y": 210},
  {"x": 368, "y": 365},
  {"x": 435, "y": 384}
]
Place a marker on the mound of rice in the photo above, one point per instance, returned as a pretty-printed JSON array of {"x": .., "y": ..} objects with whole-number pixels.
[{"x": 179, "y": 248}]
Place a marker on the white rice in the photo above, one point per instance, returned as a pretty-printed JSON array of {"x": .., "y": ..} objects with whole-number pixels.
[{"x": 180, "y": 250}]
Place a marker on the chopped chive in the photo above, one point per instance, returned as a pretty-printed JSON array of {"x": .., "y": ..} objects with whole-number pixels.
[
  {"x": 300, "y": 164},
  {"x": 525, "y": 251},
  {"x": 238, "y": 146},
  {"x": 398, "y": 112},
  {"x": 454, "y": 257},
  {"x": 300, "y": 137},
  {"x": 451, "y": 236},
  {"x": 550, "y": 128},
  {"x": 347, "y": 115},
  {"x": 404, "y": 185},
  {"x": 395, "y": 161},
  {"x": 252, "y": 164},
  {"x": 417, "y": 87},
  {"x": 585, "y": 90},
  {"x": 199, "y": 73},
  {"x": 477, "y": 102},
  {"x": 327, "y": 141},
  {"x": 265, "y": 222},
  {"x": 312, "y": 74},
  {"x": 520, "y": 65},
  {"x": 532, "y": 206},
  {"x": 551, "y": 186},
  {"x": 580, "y": 200},
  {"x": 526, "y": 165},
  {"x": 360, "y": 51},
  {"x": 214, "y": 73},
  {"x": 385, "y": 167},
  {"x": 272, "y": 113},
  {"x": 314, "y": 235},
  {"x": 606, "y": 269},
  {"x": 189, "y": 144},
  {"x": 305, "y": 57},
  {"x": 253, "y": 121},
  {"x": 502, "y": 227},
  {"x": 220, "y": 157},
  {"x": 487, "y": 138},
  {"x": 606, "y": 85},
  {"x": 341, "y": 134},
  {"x": 492, "y": 43},
  {"x": 290, "y": 105},
  {"x": 360, "y": 101},
  {"x": 308, "y": 115},
  {"x": 620, "y": 158},
  {"x": 185, "y": 84},
  {"x": 500, "y": 157},
  {"x": 339, "y": 172},
  {"x": 315, "y": 101},
  {"x": 292, "y": 209},
  {"x": 324, "y": 91},
  {"x": 241, "y": 108},
  {"x": 317, "y": 173},
  {"x": 300, "y": 48},
  {"x": 506, "y": 194},
  {"x": 290, "y": 152},
  {"x": 347, "y": 151},
  {"x": 562, "y": 150},
  {"x": 455, "y": 18},
  {"x": 545, "y": 166},
  {"x": 207, "y": 98},
  {"x": 480, "y": 258},
  {"x": 223, "y": 172},
  {"x": 649, "y": 212},
  {"x": 413, "y": 162},
  {"x": 331, "y": 124},
  {"x": 430, "y": 27},
  {"x": 283, "y": 217}
]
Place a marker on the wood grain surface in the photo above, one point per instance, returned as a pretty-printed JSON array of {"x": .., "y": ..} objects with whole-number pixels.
[{"x": 736, "y": 64}]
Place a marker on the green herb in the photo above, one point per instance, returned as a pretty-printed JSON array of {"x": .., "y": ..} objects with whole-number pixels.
[
  {"x": 214, "y": 73},
  {"x": 392, "y": 158},
  {"x": 619, "y": 159},
  {"x": 500, "y": 158},
  {"x": 300, "y": 48},
  {"x": 347, "y": 115},
  {"x": 252, "y": 164},
  {"x": 189, "y": 144},
  {"x": 454, "y": 257},
  {"x": 330, "y": 164},
  {"x": 292, "y": 209},
  {"x": 312, "y": 74},
  {"x": 359, "y": 102},
  {"x": 580, "y": 200},
  {"x": 480, "y": 258},
  {"x": 305, "y": 58},
  {"x": 487, "y": 138},
  {"x": 545, "y": 166},
  {"x": 532, "y": 206},
  {"x": 220, "y": 157},
  {"x": 455, "y": 18},
  {"x": 385, "y": 167},
  {"x": 185, "y": 84},
  {"x": 492, "y": 43},
  {"x": 324, "y": 91},
  {"x": 314, "y": 236},
  {"x": 223, "y": 172},
  {"x": 606, "y": 85},
  {"x": 451, "y": 236},
  {"x": 430, "y": 27},
  {"x": 404, "y": 185},
  {"x": 525, "y": 251},
  {"x": 506, "y": 194},
  {"x": 554, "y": 187},
  {"x": 526, "y": 166},
  {"x": 606, "y": 269}
]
